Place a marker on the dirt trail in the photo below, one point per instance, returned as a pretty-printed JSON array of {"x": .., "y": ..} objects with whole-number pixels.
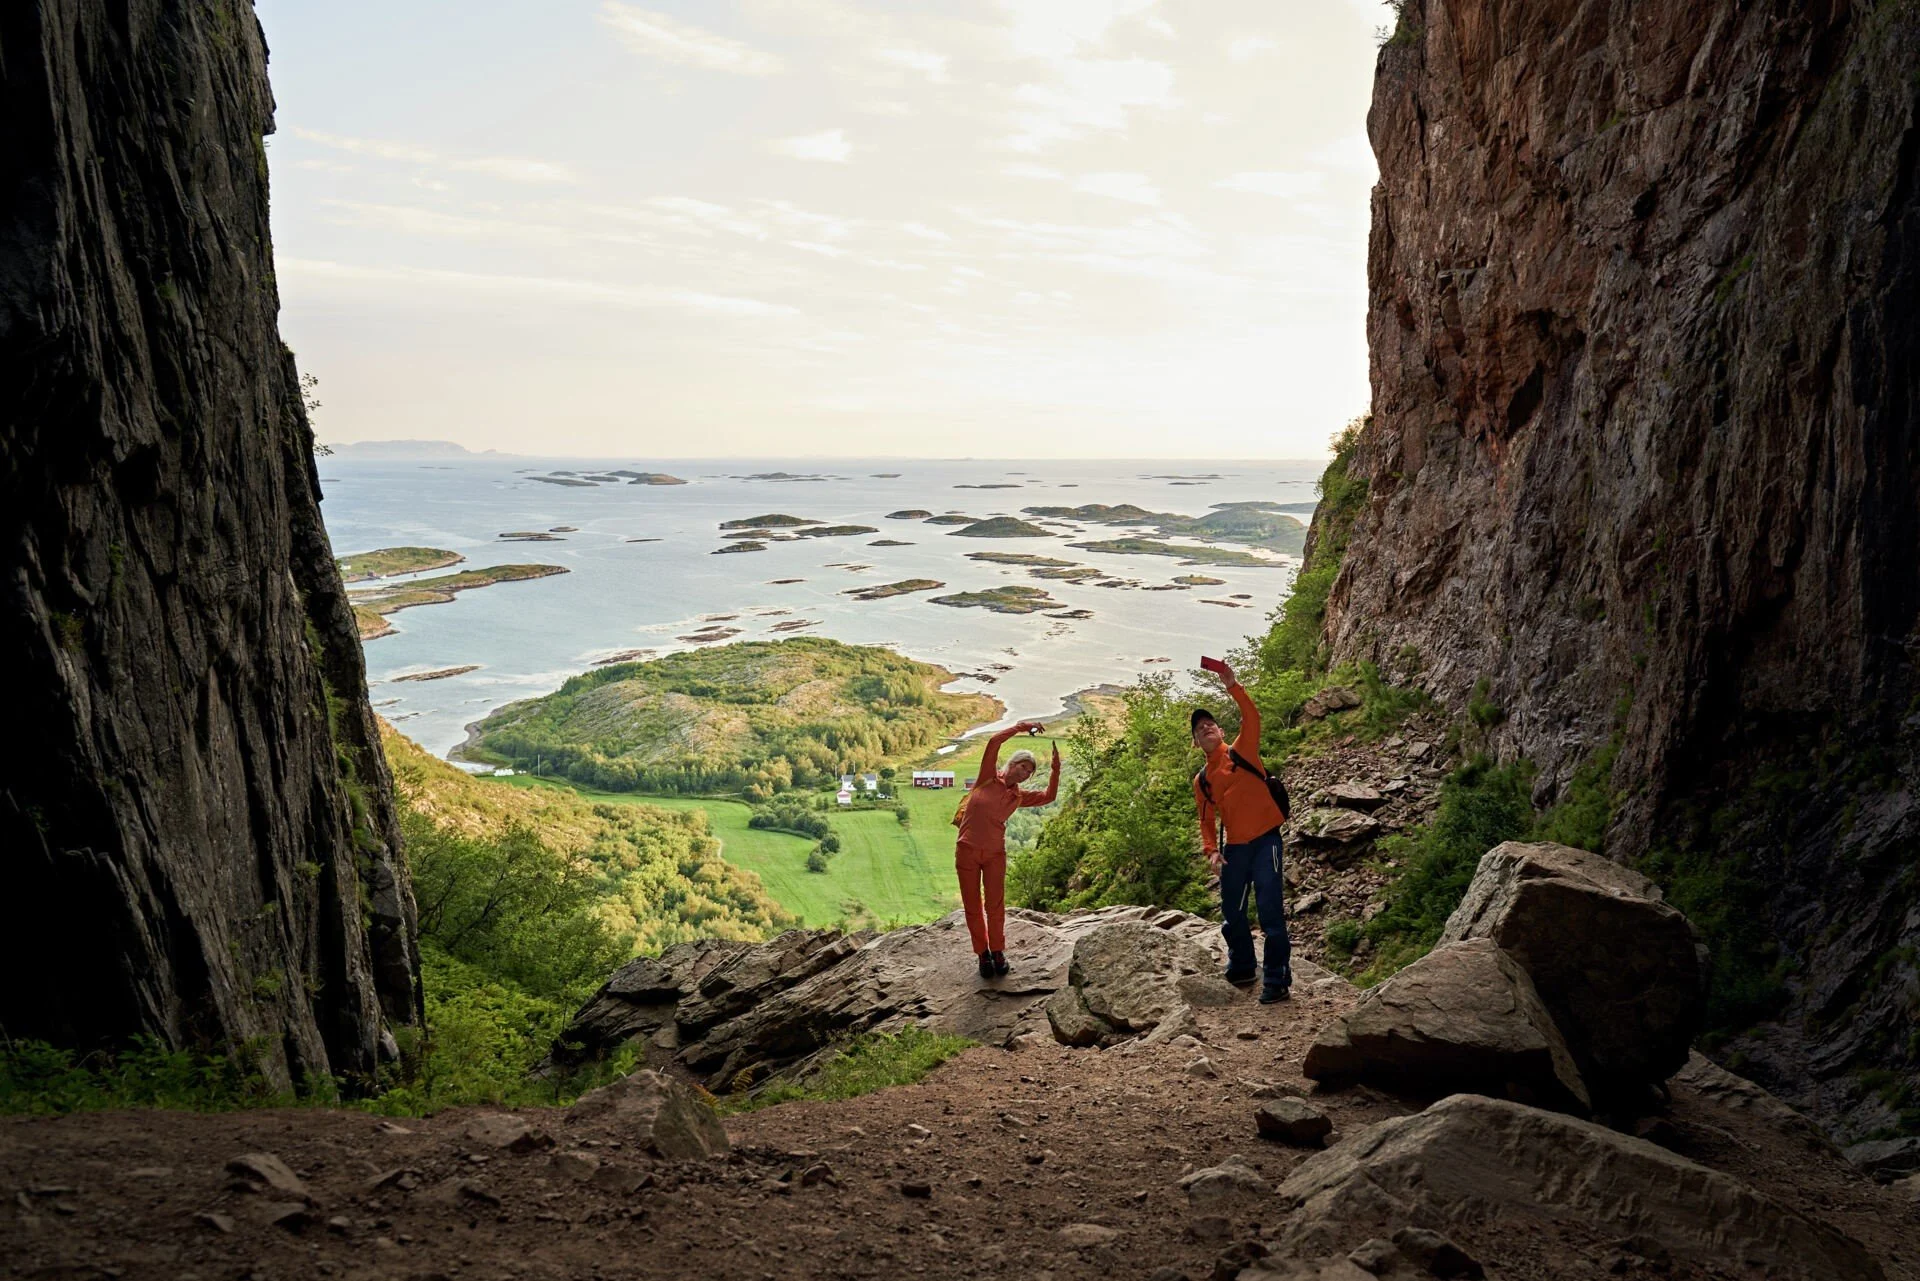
[{"x": 1017, "y": 1145}]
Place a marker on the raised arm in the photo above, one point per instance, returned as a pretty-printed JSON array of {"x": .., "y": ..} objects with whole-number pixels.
[
  {"x": 990, "y": 759},
  {"x": 1247, "y": 741},
  {"x": 1031, "y": 799}
]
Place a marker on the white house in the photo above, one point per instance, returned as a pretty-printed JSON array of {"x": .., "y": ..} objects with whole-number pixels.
[
  {"x": 844, "y": 796},
  {"x": 870, "y": 781},
  {"x": 846, "y": 782}
]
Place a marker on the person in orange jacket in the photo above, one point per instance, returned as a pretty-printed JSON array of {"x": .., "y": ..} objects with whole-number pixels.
[
  {"x": 980, "y": 855},
  {"x": 1234, "y": 792}
]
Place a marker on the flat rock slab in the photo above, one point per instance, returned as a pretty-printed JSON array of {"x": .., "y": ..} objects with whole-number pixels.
[
  {"x": 1291, "y": 1120},
  {"x": 1336, "y": 827},
  {"x": 1462, "y": 1017},
  {"x": 723, "y": 1010},
  {"x": 1469, "y": 1160},
  {"x": 1616, "y": 966}
]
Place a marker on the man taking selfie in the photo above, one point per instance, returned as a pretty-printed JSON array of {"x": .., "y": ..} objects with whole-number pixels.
[{"x": 1235, "y": 794}]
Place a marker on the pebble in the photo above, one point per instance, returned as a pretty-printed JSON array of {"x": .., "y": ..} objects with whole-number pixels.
[
  {"x": 1202, "y": 1067},
  {"x": 920, "y": 1191}
]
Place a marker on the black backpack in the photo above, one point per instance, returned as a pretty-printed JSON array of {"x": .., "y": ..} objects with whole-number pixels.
[{"x": 1275, "y": 788}]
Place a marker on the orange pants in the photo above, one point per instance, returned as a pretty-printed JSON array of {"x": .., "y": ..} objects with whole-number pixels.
[{"x": 979, "y": 870}]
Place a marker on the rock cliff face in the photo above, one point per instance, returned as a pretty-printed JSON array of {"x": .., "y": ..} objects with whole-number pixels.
[
  {"x": 197, "y": 837},
  {"x": 1645, "y": 331}
]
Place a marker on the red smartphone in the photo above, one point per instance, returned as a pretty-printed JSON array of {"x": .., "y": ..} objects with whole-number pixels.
[{"x": 1213, "y": 665}]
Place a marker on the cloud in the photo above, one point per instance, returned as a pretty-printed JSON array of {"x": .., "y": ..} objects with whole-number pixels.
[
  {"x": 558, "y": 288},
  {"x": 1062, "y": 28},
  {"x": 656, "y": 35},
  {"x": 1352, "y": 154},
  {"x": 929, "y": 64},
  {"x": 1290, "y": 185},
  {"x": 1247, "y": 48},
  {"x": 1088, "y": 96},
  {"x": 830, "y": 145},
  {"x": 1133, "y": 187},
  {"x": 511, "y": 168},
  {"x": 1027, "y": 169}
]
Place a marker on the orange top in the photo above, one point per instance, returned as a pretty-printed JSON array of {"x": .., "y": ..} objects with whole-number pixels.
[
  {"x": 983, "y": 818},
  {"x": 1239, "y": 796}
]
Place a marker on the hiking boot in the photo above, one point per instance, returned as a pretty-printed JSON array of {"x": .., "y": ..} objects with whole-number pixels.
[
  {"x": 1000, "y": 966},
  {"x": 1272, "y": 995},
  {"x": 986, "y": 965},
  {"x": 1242, "y": 980}
]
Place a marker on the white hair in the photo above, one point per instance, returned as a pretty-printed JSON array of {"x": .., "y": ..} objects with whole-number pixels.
[{"x": 1023, "y": 755}]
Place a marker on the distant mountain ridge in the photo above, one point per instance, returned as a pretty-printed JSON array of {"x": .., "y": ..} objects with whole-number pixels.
[{"x": 410, "y": 449}]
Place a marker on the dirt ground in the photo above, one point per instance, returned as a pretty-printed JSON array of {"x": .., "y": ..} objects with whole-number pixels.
[{"x": 1012, "y": 1147}]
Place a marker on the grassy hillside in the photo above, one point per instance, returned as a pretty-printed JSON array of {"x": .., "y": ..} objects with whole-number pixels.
[
  {"x": 758, "y": 717},
  {"x": 657, "y": 874}
]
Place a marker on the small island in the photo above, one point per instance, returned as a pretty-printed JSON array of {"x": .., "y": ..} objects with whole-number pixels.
[
  {"x": 439, "y": 674},
  {"x": 529, "y": 536},
  {"x": 836, "y": 531},
  {"x": 953, "y": 518},
  {"x": 744, "y": 545},
  {"x": 888, "y": 542},
  {"x": 371, "y": 604},
  {"x": 1067, "y": 573},
  {"x": 911, "y": 513},
  {"x": 648, "y": 478},
  {"x": 781, "y": 475},
  {"x": 1004, "y": 484},
  {"x": 773, "y": 520},
  {"x": 1190, "y": 555},
  {"x": 1002, "y": 527},
  {"x": 572, "y": 482},
  {"x": 1021, "y": 558},
  {"x": 1002, "y": 600},
  {"x": 1198, "y": 580},
  {"x": 901, "y": 588},
  {"x": 385, "y": 562}
]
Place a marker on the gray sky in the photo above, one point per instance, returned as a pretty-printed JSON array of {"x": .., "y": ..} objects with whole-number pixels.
[{"x": 999, "y": 228}]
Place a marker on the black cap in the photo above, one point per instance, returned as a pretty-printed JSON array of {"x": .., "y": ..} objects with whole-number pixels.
[{"x": 1199, "y": 714}]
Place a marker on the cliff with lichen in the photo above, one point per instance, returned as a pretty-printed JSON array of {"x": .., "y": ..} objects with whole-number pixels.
[
  {"x": 197, "y": 834},
  {"x": 1643, "y": 472}
]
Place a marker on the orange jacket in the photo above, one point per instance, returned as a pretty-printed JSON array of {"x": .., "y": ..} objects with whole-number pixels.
[
  {"x": 984, "y": 813},
  {"x": 1240, "y": 797}
]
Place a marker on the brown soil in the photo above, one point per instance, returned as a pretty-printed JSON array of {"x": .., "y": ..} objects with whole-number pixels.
[{"x": 1021, "y": 1143}]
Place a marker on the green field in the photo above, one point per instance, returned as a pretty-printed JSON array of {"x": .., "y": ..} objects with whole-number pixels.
[{"x": 885, "y": 874}]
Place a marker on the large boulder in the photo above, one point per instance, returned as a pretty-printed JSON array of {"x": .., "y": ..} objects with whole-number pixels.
[
  {"x": 1468, "y": 1161},
  {"x": 657, "y": 1114},
  {"x": 1464, "y": 1017},
  {"x": 1618, "y": 967},
  {"x": 1128, "y": 978}
]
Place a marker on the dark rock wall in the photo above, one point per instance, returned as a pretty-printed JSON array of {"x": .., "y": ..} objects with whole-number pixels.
[
  {"x": 197, "y": 834},
  {"x": 1645, "y": 331}
]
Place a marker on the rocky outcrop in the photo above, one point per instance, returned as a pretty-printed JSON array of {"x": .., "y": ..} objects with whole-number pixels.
[
  {"x": 1134, "y": 978},
  {"x": 199, "y": 831},
  {"x": 1469, "y": 1160},
  {"x": 1616, "y": 966},
  {"x": 656, "y": 1114},
  {"x": 734, "y": 1015},
  {"x": 1645, "y": 342}
]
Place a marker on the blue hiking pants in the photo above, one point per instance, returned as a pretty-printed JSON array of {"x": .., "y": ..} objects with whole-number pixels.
[{"x": 1253, "y": 870}]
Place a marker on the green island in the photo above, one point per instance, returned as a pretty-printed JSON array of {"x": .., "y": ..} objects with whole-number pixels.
[
  {"x": 1255, "y": 524},
  {"x": 529, "y": 536},
  {"x": 745, "y": 545},
  {"x": 1002, "y": 527},
  {"x": 911, "y": 513},
  {"x": 1002, "y": 600},
  {"x": 385, "y": 562},
  {"x": 901, "y": 588},
  {"x": 1198, "y": 580},
  {"x": 1067, "y": 573},
  {"x": 571, "y": 482},
  {"x": 773, "y": 520},
  {"x": 888, "y": 542},
  {"x": 1188, "y": 554},
  {"x": 836, "y": 531},
  {"x": 371, "y": 604},
  {"x": 952, "y": 518},
  {"x": 648, "y": 478},
  {"x": 1020, "y": 558},
  {"x": 759, "y": 717}
]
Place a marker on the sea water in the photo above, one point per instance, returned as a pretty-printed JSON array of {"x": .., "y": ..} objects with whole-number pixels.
[{"x": 525, "y": 638}]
